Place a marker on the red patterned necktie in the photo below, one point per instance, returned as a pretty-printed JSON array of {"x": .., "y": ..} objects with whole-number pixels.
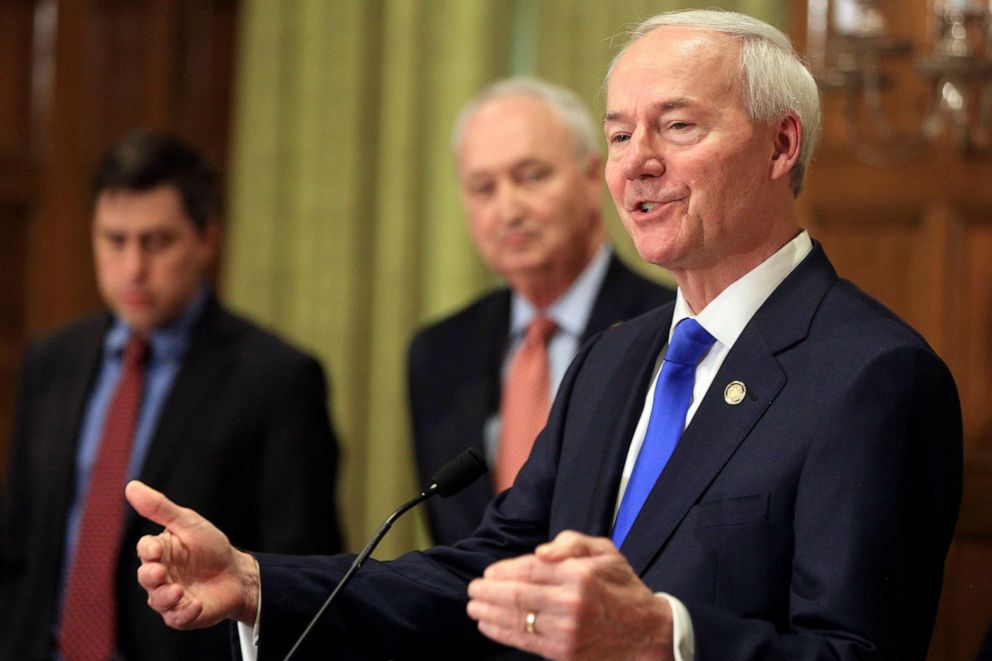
[
  {"x": 525, "y": 402},
  {"x": 88, "y": 629}
]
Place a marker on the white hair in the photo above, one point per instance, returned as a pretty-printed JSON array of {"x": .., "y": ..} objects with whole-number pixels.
[
  {"x": 567, "y": 105},
  {"x": 773, "y": 77}
]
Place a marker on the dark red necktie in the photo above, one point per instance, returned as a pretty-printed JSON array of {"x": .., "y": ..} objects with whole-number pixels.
[{"x": 88, "y": 630}]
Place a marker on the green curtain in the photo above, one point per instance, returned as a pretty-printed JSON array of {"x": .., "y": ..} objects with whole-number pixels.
[{"x": 344, "y": 230}]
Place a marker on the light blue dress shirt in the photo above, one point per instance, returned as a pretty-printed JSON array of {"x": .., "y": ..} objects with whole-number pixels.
[{"x": 570, "y": 312}]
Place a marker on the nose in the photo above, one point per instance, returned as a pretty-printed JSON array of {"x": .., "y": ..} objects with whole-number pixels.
[
  {"x": 510, "y": 205},
  {"x": 135, "y": 261},
  {"x": 642, "y": 158}
]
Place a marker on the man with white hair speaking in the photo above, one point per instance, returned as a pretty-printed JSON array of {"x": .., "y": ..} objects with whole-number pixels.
[{"x": 769, "y": 468}]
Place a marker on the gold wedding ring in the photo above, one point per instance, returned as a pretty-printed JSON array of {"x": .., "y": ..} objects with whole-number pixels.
[{"x": 529, "y": 622}]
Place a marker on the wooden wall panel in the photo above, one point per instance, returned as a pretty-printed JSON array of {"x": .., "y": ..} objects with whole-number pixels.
[
  {"x": 119, "y": 65},
  {"x": 77, "y": 75},
  {"x": 918, "y": 236},
  {"x": 975, "y": 359},
  {"x": 17, "y": 189}
]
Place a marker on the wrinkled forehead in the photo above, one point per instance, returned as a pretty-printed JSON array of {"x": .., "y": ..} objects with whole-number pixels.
[
  {"x": 507, "y": 130},
  {"x": 678, "y": 58}
]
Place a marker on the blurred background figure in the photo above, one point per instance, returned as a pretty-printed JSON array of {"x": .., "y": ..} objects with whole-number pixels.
[
  {"x": 530, "y": 178},
  {"x": 166, "y": 376}
]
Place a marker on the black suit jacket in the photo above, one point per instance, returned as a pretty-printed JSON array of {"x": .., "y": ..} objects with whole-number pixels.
[
  {"x": 243, "y": 437},
  {"x": 810, "y": 521},
  {"x": 454, "y": 383}
]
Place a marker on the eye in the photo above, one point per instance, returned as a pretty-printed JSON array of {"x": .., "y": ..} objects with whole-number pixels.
[
  {"x": 156, "y": 242},
  {"x": 619, "y": 138},
  {"x": 533, "y": 174},
  {"x": 115, "y": 241},
  {"x": 481, "y": 188},
  {"x": 679, "y": 125}
]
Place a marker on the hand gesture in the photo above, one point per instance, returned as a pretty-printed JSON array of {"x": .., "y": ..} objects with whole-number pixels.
[
  {"x": 574, "y": 598},
  {"x": 193, "y": 576}
]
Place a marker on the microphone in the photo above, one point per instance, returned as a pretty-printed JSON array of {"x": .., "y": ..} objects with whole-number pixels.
[{"x": 454, "y": 476}]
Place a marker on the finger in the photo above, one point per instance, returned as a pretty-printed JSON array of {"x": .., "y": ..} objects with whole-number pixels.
[
  {"x": 152, "y": 576},
  {"x": 165, "y": 598},
  {"x": 535, "y": 643},
  {"x": 512, "y": 616},
  {"x": 512, "y": 568},
  {"x": 571, "y": 544},
  {"x": 150, "y": 548},
  {"x": 525, "y": 569},
  {"x": 184, "y": 615},
  {"x": 176, "y": 607},
  {"x": 516, "y": 598},
  {"x": 152, "y": 504}
]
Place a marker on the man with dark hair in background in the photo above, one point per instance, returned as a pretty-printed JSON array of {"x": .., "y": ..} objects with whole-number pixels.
[
  {"x": 531, "y": 184},
  {"x": 166, "y": 378}
]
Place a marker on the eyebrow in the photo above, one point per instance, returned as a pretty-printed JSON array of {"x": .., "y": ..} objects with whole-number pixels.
[{"x": 660, "y": 107}]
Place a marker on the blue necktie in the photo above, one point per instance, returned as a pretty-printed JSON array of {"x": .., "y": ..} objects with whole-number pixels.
[{"x": 672, "y": 396}]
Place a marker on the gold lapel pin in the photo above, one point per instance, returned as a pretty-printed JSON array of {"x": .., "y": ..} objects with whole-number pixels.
[{"x": 734, "y": 393}]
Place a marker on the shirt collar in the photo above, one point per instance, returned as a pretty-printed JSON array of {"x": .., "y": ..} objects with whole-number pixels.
[
  {"x": 727, "y": 314},
  {"x": 571, "y": 310},
  {"x": 168, "y": 342}
]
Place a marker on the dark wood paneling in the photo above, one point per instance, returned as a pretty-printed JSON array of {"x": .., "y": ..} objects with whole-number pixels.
[
  {"x": 120, "y": 64},
  {"x": 918, "y": 237},
  {"x": 15, "y": 81},
  {"x": 77, "y": 75}
]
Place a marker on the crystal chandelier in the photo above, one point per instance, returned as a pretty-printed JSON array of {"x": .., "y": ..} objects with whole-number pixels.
[{"x": 852, "y": 52}]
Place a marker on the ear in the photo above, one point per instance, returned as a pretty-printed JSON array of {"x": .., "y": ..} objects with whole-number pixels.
[
  {"x": 787, "y": 135},
  {"x": 594, "y": 166},
  {"x": 212, "y": 234},
  {"x": 592, "y": 173}
]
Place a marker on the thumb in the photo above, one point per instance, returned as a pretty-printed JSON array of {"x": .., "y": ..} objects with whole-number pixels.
[{"x": 152, "y": 504}]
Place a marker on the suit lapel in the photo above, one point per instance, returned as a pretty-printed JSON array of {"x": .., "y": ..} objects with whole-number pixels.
[
  {"x": 481, "y": 400},
  {"x": 74, "y": 396},
  {"x": 616, "y": 415},
  {"x": 622, "y": 295},
  {"x": 718, "y": 428},
  {"x": 197, "y": 382}
]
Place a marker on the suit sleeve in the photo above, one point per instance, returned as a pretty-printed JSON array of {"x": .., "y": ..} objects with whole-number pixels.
[
  {"x": 876, "y": 505},
  {"x": 414, "y": 606}
]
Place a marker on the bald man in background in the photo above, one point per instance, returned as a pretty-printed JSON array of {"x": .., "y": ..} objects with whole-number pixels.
[{"x": 530, "y": 178}]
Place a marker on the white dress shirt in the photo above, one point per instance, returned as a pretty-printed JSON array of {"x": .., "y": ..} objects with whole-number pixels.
[{"x": 725, "y": 319}]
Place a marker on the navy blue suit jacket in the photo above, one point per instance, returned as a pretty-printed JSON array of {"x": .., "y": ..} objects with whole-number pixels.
[
  {"x": 810, "y": 521},
  {"x": 454, "y": 383}
]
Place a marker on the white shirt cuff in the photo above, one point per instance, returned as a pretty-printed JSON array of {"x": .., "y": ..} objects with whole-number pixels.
[
  {"x": 683, "y": 638},
  {"x": 248, "y": 635}
]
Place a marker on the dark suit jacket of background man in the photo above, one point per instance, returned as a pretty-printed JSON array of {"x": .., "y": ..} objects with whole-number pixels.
[
  {"x": 810, "y": 521},
  {"x": 454, "y": 383},
  {"x": 243, "y": 437}
]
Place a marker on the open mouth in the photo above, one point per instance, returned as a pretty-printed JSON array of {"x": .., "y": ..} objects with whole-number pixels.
[{"x": 647, "y": 206}]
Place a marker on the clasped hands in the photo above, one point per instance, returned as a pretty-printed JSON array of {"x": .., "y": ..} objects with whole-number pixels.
[{"x": 575, "y": 597}]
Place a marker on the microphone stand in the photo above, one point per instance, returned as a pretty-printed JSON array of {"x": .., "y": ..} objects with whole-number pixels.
[{"x": 360, "y": 560}]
